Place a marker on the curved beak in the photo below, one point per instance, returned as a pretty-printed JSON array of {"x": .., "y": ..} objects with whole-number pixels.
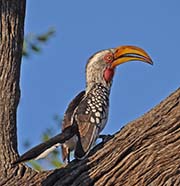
[{"x": 124, "y": 54}]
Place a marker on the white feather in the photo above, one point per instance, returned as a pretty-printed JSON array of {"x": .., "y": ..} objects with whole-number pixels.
[{"x": 46, "y": 152}]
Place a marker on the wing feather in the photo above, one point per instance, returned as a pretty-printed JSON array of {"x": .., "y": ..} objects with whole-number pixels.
[
  {"x": 88, "y": 131},
  {"x": 67, "y": 121}
]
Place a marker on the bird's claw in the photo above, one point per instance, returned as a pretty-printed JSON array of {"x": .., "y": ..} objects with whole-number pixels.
[{"x": 106, "y": 137}]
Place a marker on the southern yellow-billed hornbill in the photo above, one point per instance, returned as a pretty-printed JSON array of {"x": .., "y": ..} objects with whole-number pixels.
[{"x": 89, "y": 109}]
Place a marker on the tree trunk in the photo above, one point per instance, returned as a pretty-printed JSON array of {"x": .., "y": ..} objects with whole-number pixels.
[
  {"x": 145, "y": 152},
  {"x": 11, "y": 39}
]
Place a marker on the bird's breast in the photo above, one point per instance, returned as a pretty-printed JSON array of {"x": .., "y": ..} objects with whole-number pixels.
[{"x": 98, "y": 106}]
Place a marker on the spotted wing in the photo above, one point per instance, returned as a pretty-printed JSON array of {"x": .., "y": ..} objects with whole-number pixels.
[
  {"x": 67, "y": 121},
  {"x": 88, "y": 129}
]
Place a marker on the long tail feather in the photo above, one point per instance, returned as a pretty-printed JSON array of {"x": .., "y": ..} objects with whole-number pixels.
[{"x": 45, "y": 148}]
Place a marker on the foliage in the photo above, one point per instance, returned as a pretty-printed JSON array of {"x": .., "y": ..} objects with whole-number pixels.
[
  {"x": 33, "y": 42},
  {"x": 53, "y": 159}
]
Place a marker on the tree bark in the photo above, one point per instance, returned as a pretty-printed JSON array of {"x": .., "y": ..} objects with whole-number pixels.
[
  {"x": 145, "y": 152},
  {"x": 11, "y": 39}
]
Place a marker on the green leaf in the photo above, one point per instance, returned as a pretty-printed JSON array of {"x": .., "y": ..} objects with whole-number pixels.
[
  {"x": 56, "y": 163},
  {"x": 45, "y": 137},
  {"x": 36, "y": 165},
  {"x": 44, "y": 37},
  {"x": 34, "y": 42},
  {"x": 35, "y": 48},
  {"x": 24, "y": 52}
]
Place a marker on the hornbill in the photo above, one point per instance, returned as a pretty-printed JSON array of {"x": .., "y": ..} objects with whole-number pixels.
[{"x": 88, "y": 111}]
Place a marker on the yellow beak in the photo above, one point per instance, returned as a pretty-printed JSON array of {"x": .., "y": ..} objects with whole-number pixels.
[{"x": 124, "y": 54}]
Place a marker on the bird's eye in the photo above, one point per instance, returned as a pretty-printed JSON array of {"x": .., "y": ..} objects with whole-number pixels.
[{"x": 108, "y": 58}]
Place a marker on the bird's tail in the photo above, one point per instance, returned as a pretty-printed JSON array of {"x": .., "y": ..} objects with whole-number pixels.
[
  {"x": 39, "y": 151},
  {"x": 43, "y": 149}
]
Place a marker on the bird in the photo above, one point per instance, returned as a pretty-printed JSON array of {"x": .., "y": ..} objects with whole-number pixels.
[{"x": 89, "y": 109}]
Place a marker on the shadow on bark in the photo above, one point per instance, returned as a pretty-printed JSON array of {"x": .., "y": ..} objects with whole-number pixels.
[{"x": 144, "y": 152}]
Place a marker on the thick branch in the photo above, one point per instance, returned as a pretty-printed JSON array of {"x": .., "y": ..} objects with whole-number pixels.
[
  {"x": 144, "y": 152},
  {"x": 11, "y": 37}
]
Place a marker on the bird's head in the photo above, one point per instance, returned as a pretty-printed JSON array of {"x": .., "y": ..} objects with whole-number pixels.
[{"x": 101, "y": 66}]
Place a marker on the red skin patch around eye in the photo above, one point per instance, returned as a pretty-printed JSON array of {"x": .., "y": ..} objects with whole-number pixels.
[
  {"x": 108, "y": 74},
  {"x": 108, "y": 58}
]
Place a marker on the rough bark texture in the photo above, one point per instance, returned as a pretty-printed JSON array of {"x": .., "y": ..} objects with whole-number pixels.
[
  {"x": 145, "y": 152},
  {"x": 11, "y": 38}
]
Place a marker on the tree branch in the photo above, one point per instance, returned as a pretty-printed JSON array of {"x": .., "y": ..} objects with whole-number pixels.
[{"x": 144, "y": 152}]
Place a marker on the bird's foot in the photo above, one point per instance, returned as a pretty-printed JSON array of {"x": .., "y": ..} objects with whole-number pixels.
[{"x": 106, "y": 137}]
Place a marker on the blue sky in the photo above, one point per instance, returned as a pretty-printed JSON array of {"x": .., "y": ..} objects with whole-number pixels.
[{"x": 50, "y": 80}]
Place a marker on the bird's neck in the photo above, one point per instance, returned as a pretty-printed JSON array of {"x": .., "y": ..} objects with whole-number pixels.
[
  {"x": 94, "y": 77},
  {"x": 98, "y": 86}
]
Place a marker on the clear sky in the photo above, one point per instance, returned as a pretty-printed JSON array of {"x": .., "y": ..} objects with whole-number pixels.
[{"x": 51, "y": 79}]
